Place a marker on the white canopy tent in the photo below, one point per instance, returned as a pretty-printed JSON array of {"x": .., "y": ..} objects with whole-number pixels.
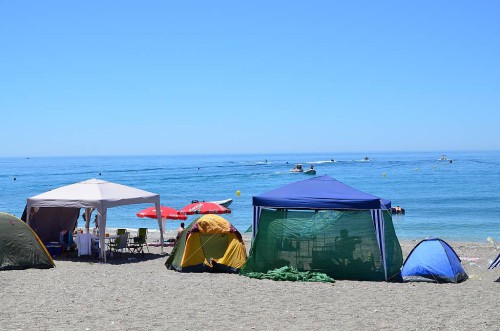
[{"x": 95, "y": 194}]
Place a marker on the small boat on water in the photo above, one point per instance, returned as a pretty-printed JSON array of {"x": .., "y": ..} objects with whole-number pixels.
[
  {"x": 310, "y": 172},
  {"x": 297, "y": 168},
  {"x": 224, "y": 203},
  {"x": 445, "y": 158},
  {"x": 398, "y": 210}
]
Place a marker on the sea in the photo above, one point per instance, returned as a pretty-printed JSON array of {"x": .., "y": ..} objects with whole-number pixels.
[{"x": 455, "y": 199}]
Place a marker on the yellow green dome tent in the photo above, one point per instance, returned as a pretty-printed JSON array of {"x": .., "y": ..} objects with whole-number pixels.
[
  {"x": 209, "y": 243},
  {"x": 20, "y": 247}
]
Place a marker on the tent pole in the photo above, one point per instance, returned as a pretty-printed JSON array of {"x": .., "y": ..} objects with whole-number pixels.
[
  {"x": 101, "y": 220},
  {"x": 160, "y": 223},
  {"x": 88, "y": 214},
  {"x": 379, "y": 225},
  {"x": 256, "y": 218}
]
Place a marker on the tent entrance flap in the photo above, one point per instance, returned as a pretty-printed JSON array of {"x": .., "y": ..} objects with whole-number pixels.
[
  {"x": 214, "y": 245},
  {"x": 342, "y": 244}
]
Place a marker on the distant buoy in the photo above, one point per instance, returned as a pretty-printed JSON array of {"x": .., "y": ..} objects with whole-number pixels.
[
  {"x": 384, "y": 174},
  {"x": 238, "y": 193}
]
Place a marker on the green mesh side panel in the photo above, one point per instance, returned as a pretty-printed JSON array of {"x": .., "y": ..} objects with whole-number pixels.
[
  {"x": 341, "y": 244},
  {"x": 214, "y": 245}
]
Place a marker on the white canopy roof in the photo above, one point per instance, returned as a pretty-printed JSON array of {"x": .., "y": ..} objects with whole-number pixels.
[
  {"x": 97, "y": 194},
  {"x": 92, "y": 193}
]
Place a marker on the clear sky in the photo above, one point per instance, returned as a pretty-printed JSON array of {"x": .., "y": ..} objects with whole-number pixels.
[{"x": 190, "y": 77}]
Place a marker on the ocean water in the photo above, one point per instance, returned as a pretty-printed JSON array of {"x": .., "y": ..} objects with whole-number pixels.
[{"x": 453, "y": 201}]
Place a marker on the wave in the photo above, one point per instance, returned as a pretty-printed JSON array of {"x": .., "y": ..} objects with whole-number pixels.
[
  {"x": 320, "y": 162},
  {"x": 134, "y": 170}
]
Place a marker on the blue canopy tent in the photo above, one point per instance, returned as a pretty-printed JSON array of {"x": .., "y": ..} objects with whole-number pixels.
[{"x": 324, "y": 193}]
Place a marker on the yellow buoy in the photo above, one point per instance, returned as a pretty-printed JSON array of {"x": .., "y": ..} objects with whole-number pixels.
[{"x": 238, "y": 193}]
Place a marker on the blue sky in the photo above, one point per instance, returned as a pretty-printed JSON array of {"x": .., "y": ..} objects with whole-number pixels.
[{"x": 164, "y": 77}]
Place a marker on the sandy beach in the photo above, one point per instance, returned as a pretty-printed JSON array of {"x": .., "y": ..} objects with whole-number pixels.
[
  {"x": 134, "y": 293},
  {"x": 336, "y": 130}
]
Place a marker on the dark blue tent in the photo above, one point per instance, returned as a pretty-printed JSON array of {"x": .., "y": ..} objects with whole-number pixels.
[
  {"x": 322, "y": 192},
  {"x": 433, "y": 260}
]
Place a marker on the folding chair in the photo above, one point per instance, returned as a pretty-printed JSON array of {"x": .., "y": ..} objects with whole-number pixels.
[
  {"x": 137, "y": 246},
  {"x": 119, "y": 244}
]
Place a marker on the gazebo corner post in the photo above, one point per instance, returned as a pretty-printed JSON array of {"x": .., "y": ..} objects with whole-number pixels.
[
  {"x": 88, "y": 213},
  {"x": 160, "y": 223},
  {"x": 101, "y": 221}
]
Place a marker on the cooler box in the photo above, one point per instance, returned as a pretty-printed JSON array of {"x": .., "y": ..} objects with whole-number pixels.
[{"x": 54, "y": 248}]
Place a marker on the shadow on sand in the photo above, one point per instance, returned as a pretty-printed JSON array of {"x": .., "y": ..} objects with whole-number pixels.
[{"x": 118, "y": 259}]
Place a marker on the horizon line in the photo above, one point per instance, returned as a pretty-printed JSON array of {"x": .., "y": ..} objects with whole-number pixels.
[{"x": 250, "y": 153}]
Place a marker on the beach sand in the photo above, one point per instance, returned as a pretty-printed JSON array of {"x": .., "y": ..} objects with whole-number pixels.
[{"x": 141, "y": 294}]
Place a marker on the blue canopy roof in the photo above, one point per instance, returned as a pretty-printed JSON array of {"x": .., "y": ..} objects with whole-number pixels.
[{"x": 322, "y": 192}]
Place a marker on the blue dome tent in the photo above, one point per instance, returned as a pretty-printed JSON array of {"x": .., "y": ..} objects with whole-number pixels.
[{"x": 433, "y": 260}]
